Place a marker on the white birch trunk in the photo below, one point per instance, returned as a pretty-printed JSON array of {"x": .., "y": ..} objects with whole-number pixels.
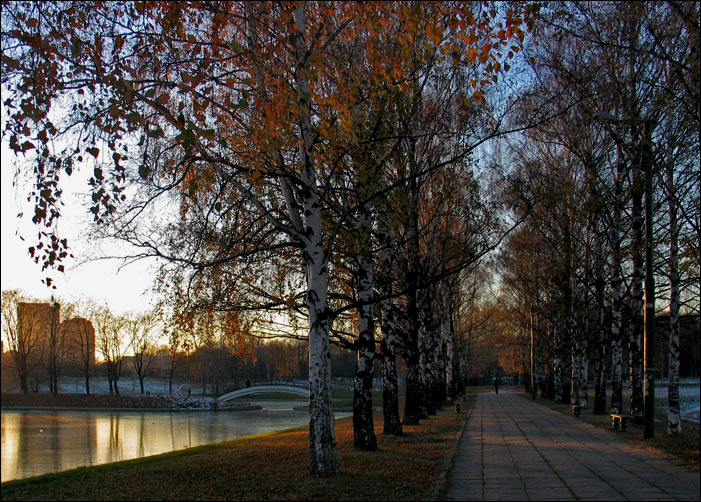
[
  {"x": 616, "y": 297},
  {"x": 413, "y": 346},
  {"x": 636, "y": 333},
  {"x": 584, "y": 358},
  {"x": 363, "y": 426},
  {"x": 616, "y": 325},
  {"x": 557, "y": 359},
  {"x": 432, "y": 350},
  {"x": 601, "y": 329},
  {"x": 576, "y": 371},
  {"x": 674, "y": 423},
  {"x": 573, "y": 330},
  {"x": 449, "y": 339},
  {"x": 390, "y": 392},
  {"x": 390, "y": 338},
  {"x": 322, "y": 430},
  {"x": 423, "y": 354},
  {"x": 538, "y": 370},
  {"x": 463, "y": 370}
]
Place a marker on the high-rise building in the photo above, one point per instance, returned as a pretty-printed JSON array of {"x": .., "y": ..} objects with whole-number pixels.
[
  {"x": 39, "y": 321},
  {"x": 79, "y": 340}
]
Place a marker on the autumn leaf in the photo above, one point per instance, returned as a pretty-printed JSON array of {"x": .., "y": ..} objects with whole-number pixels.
[
  {"x": 75, "y": 48},
  {"x": 208, "y": 133},
  {"x": 186, "y": 137},
  {"x": 12, "y": 63},
  {"x": 314, "y": 56}
]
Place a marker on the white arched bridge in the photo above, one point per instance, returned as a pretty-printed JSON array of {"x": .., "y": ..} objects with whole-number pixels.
[{"x": 298, "y": 388}]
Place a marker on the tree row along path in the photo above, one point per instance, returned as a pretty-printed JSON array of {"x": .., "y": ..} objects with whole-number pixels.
[{"x": 515, "y": 449}]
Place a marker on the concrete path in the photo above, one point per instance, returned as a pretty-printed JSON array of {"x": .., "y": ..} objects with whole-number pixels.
[{"x": 515, "y": 449}]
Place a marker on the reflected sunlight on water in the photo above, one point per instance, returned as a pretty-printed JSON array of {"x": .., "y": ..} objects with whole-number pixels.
[{"x": 35, "y": 442}]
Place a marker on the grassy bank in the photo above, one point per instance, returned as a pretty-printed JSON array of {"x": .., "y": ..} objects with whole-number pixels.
[
  {"x": 683, "y": 450},
  {"x": 83, "y": 400},
  {"x": 267, "y": 467},
  {"x": 155, "y": 401}
]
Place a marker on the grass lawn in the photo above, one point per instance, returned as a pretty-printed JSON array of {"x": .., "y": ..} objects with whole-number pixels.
[
  {"x": 271, "y": 466},
  {"x": 683, "y": 450},
  {"x": 343, "y": 397}
]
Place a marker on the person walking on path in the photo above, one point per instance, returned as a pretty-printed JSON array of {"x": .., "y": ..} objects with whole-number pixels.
[
  {"x": 515, "y": 449},
  {"x": 496, "y": 385}
]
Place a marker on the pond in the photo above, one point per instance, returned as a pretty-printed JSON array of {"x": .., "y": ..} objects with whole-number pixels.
[{"x": 38, "y": 441}]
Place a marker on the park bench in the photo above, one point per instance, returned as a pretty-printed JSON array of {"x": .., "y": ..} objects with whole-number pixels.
[{"x": 619, "y": 420}]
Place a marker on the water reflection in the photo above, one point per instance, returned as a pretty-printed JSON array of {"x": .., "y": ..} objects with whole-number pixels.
[{"x": 35, "y": 442}]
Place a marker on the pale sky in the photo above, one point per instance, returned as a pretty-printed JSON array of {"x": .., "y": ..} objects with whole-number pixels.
[{"x": 122, "y": 290}]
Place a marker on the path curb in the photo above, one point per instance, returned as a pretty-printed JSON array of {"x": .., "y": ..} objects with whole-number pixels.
[{"x": 449, "y": 459}]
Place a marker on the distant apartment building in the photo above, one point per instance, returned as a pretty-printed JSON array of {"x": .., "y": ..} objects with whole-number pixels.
[
  {"x": 79, "y": 339},
  {"x": 37, "y": 321}
]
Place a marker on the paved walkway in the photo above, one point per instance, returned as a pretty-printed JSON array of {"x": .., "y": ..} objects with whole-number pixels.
[{"x": 515, "y": 449}]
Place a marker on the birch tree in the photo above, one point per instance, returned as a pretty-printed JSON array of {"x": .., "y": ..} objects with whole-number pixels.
[
  {"x": 680, "y": 187},
  {"x": 142, "y": 338},
  {"x": 110, "y": 343},
  {"x": 24, "y": 330},
  {"x": 389, "y": 329},
  {"x": 86, "y": 348},
  {"x": 53, "y": 346},
  {"x": 83, "y": 332}
]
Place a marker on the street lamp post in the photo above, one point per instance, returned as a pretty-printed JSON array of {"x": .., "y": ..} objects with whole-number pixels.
[
  {"x": 533, "y": 380},
  {"x": 646, "y": 160}
]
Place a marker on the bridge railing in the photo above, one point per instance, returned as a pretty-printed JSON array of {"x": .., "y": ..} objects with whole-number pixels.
[
  {"x": 265, "y": 386},
  {"x": 255, "y": 383},
  {"x": 279, "y": 382}
]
